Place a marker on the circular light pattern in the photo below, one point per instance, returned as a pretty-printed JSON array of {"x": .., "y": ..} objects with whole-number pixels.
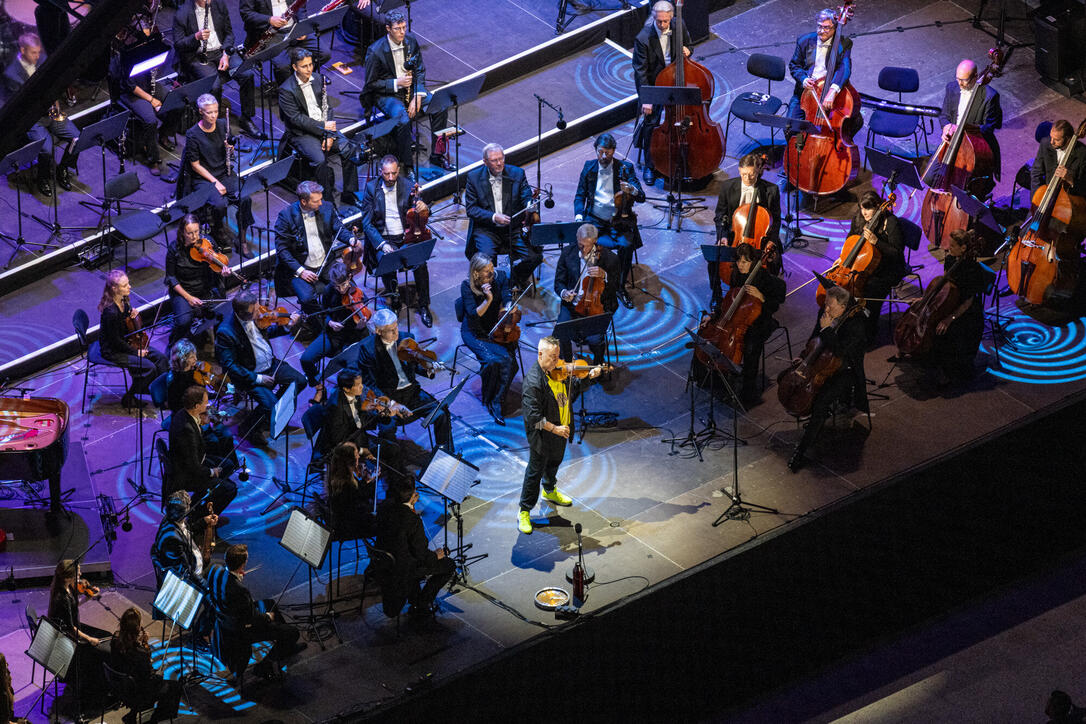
[
  {"x": 608, "y": 78},
  {"x": 24, "y": 336},
  {"x": 641, "y": 331},
  {"x": 1038, "y": 354},
  {"x": 206, "y": 664}
]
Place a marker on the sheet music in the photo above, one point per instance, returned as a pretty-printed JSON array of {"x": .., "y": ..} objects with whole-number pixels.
[
  {"x": 449, "y": 476},
  {"x": 178, "y": 600},
  {"x": 305, "y": 538},
  {"x": 52, "y": 649}
]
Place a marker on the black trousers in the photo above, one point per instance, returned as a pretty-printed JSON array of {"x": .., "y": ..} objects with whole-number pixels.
[
  {"x": 150, "y": 126},
  {"x": 194, "y": 70},
  {"x": 422, "y": 402},
  {"x": 523, "y": 258},
  {"x": 542, "y": 468}
]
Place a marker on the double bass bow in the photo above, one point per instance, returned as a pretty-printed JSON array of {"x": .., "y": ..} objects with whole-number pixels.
[{"x": 859, "y": 257}]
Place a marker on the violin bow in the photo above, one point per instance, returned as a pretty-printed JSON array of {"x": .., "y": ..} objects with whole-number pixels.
[{"x": 511, "y": 308}]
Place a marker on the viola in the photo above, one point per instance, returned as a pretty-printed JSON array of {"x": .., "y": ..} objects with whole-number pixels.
[
  {"x": 578, "y": 368},
  {"x": 966, "y": 161},
  {"x": 416, "y": 229},
  {"x": 380, "y": 405},
  {"x": 1042, "y": 267},
  {"x": 859, "y": 258},
  {"x": 826, "y": 159},
  {"x": 728, "y": 328},
  {"x": 914, "y": 333},
  {"x": 687, "y": 143},
  {"x": 84, "y": 587},
  {"x": 589, "y": 300},
  {"x": 624, "y": 219},
  {"x": 352, "y": 258},
  {"x": 203, "y": 251},
  {"x": 798, "y": 385},
  {"x": 408, "y": 350},
  {"x": 136, "y": 335},
  {"x": 207, "y": 374},
  {"x": 507, "y": 330},
  {"x": 355, "y": 301}
]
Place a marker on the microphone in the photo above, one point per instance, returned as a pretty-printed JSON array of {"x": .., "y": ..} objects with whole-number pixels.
[
  {"x": 561, "y": 124},
  {"x": 243, "y": 472},
  {"x": 577, "y": 528},
  {"x": 549, "y": 204}
]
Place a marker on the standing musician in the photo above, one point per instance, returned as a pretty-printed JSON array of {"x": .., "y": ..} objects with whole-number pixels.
[
  {"x": 494, "y": 194},
  {"x": 485, "y": 296},
  {"x": 394, "y": 71},
  {"x": 243, "y": 352},
  {"x": 576, "y": 266},
  {"x": 1045, "y": 168},
  {"x": 890, "y": 243},
  {"x": 384, "y": 372},
  {"x": 143, "y": 95},
  {"x": 204, "y": 41},
  {"x": 85, "y": 672},
  {"x": 258, "y": 16},
  {"x": 958, "y": 335},
  {"x": 188, "y": 281},
  {"x": 384, "y": 230},
  {"x": 987, "y": 115},
  {"x": 191, "y": 468},
  {"x": 176, "y": 548},
  {"x": 54, "y": 128},
  {"x": 809, "y": 62},
  {"x": 303, "y": 106},
  {"x": 218, "y": 442},
  {"x": 737, "y": 192},
  {"x": 306, "y": 233},
  {"x": 143, "y": 362},
  {"x": 548, "y": 424},
  {"x": 346, "y": 421},
  {"x": 340, "y": 328},
  {"x": 843, "y": 336},
  {"x": 652, "y": 53},
  {"x": 600, "y": 180}
]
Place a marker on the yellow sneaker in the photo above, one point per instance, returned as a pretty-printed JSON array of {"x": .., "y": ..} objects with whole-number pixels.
[
  {"x": 525, "y": 522},
  {"x": 557, "y": 497}
]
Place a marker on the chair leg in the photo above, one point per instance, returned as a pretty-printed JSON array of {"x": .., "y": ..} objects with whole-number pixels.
[{"x": 727, "y": 127}]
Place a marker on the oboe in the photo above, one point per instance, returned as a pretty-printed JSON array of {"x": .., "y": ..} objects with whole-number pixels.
[
  {"x": 202, "y": 55},
  {"x": 324, "y": 105}
]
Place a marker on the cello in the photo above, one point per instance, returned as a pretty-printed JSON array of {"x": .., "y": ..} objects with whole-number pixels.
[
  {"x": 963, "y": 161},
  {"x": 859, "y": 257},
  {"x": 1042, "y": 266},
  {"x": 826, "y": 159},
  {"x": 914, "y": 333},
  {"x": 750, "y": 223},
  {"x": 729, "y": 328},
  {"x": 798, "y": 385},
  {"x": 687, "y": 143}
]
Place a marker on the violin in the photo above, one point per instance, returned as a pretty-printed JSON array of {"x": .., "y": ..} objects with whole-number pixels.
[
  {"x": 355, "y": 301},
  {"x": 589, "y": 301},
  {"x": 85, "y": 588},
  {"x": 507, "y": 330},
  {"x": 727, "y": 330},
  {"x": 578, "y": 368},
  {"x": 1042, "y": 267},
  {"x": 798, "y": 385},
  {"x": 687, "y": 143},
  {"x": 207, "y": 374},
  {"x": 203, "y": 251},
  {"x": 416, "y": 229},
  {"x": 624, "y": 219},
  {"x": 352, "y": 257},
  {"x": 914, "y": 333},
  {"x": 408, "y": 350},
  {"x": 265, "y": 317},
  {"x": 859, "y": 258},
  {"x": 966, "y": 161},
  {"x": 136, "y": 335},
  {"x": 380, "y": 405},
  {"x": 826, "y": 159}
]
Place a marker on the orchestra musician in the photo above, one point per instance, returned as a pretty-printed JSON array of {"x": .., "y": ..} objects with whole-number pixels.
[
  {"x": 810, "y": 60},
  {"x": 188, "y": 281},
  {"x": 54, "y": 128},
  {"x": 144, "y": 363},
  {"x": 203, "y": 39},
  {"x": 340, "y": 327},
  {"x": 888, "y": 239},
  {"x": 243, "y": 351},
  {"x": 494, "y": 194},
  {"x": 737, "y": 192},
  {"x": 143, "y": 95},
  {"x": 177, "y": 547},
  {"x": 350, "y": 493},
  {"x": 130, "y": 654},
  {"x": 303, "y": 106},
  {"x": 385, "y": 373},
  {"x": 548, "y": 423},
  {"x": 258, "y": 16},
  {"x": 485, "y": 296},
  {"x": 346, "y": 421},
  {"x": 384, "y": 230},
  {"x": 1045, "y": 168},
  {"x": 218, "y": 442},
  {"x": 191, "y": 468},
  {"x": 987, "y": 116},
  {"x": 652, "y": 53},
  {"x": 85, "y": 672},
  {"x": 601, "y": 178},
  {"x": 577, "y": 264},
  {"x": 957, "y": 336},
  {"x": 396, "y": 85},
  {"x": 842, "y": 333}
]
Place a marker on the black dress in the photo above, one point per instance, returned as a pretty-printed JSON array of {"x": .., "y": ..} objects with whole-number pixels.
[
  {"x": 85, "y": 673},
  {"x": 955, "y": 352},
  {"x": 117, "y": 350},
  {"x": 151, "y": 689}
]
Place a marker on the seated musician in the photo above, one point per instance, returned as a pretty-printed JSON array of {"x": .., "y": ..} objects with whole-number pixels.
[
  {"x": 346, "y": 421},
  {"x": 652, "y": 53},
  {"x": 144, "y": 363},
  {"x": 957, "y": 336},
  {"x": 600, "y": 180},
  {"x": 143, "y": 95},
  {"x": 340, "y": 327},
  {"x": 350, "y": 492},
  {"x": 400, "y": 532},
  {"x": 85, "y": 672},
  {"x": 54, "y": 128},
  {"x": 486, "y": 296},
  {"x": 303, "y": 106},
  {"x": 308, "y": 235},
  {"x": 259, "y": 16},
  {"x": 130, "y": 654},
  {"x": 188, "y": 281},
  {"x": 737, "y": 192},
  {"x": 243, "y": 351},
  {"x": 577, "y": 267},
  {"x": 810, "y": 62},
  {"x": 204, "y": 163},
  {"x": 396, "y": 84},
  {"x": 191, "y": 468},
  {"x": 386, "y": 374},
  {"x": 385, "y": 231},
  {"x": 177, "y": 545},
  {"x": 203, "y": 39},
  {"x": 842, "y": 332},
  {"x": 218, "y": 442},
  {"x": 1045, "y": 168},
  {"x": 986, "y": 115},
  {"x": 494, "y": 194},
  {"x": 887, "y": 238}
]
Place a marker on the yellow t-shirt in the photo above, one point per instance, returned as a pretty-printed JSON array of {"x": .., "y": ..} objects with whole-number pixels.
[{"x": 559, "y": 390}]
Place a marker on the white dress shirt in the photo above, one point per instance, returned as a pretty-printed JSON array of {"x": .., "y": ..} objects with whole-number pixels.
[
  {"x": 496, "y": 192},
  {"x": 746, "y": 193},
  {"x": 401, "y": 376},
  {"x": 262, "y": 351},
  {"x": 279, "y": 9},
  {"x": 315, "y": 258},
  {"x": 354, "y": 409},
  {"x": 665, "y": 45},
  {"x": 198, "y": 556},
  {"x": 963, "y": 104},
  {"x": 393, "y": 227},
  {"x": 312, "y": 107},
  {"x": 28, "y": 67},
  {"x": 603, "y": 205},
  {"x": 213, "y": 40}
]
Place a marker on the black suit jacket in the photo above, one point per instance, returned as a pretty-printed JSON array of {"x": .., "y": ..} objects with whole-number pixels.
[
  {"x": 291, "y": 246},
  {"x": 15, "y": 77},
  {"x": 986, "y": 115},
  {"x": 234, "y": 352},
  {"x": 187, "y": 465},
  {"x": 381, "y": 69},
  {"x": 569, "y": 269},
  {"x": 373, "y": 211},
  {"x": 648, "y": 59},
  {"x": 538, "y": 404},
  {"x": 186, "y": 21},
  {"x": 400, "y": 532},
  {"x": 727, "y": 201},
  {"x": 375, "y": 365},
  {"x": 585, "y": 197},
  {"x": 238, "y": 603},
  {"x": 1046, "y": 162},
  {"x": 516, "y": 195},
  {"x": 805, "y": 54},
  {"x": 293, "y": 110},
  {"x": 847, "y": 341},
  {"x": 339, "y": 422},
  {"x": 256, "y": 17}
]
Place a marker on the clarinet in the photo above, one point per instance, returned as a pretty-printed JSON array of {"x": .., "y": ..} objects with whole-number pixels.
[
  {"x": 154, "y": 77},
  {"x": 324, "y": 106}
]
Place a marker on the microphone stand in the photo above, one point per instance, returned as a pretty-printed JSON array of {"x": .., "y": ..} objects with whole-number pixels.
[
  {"x": 589, "y": 574},
  {"x": 560, "y": 125}
]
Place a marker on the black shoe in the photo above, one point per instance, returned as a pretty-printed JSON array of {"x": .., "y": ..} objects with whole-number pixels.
[
  {"x": 166, "y": 173},
  {"x": 441, "y": 162},
  {"x": 648, "y": 176},
  {"x": 796, "y": 461},
  {"x": 64, "y": 178},
  {"x": 247, "y": 127},
  {"x": 624, "y": 299},
  {"x": 167, "y": 142},
  {"x": 130, "y": 400},
  {"x": 425, "y": 317},
  {"x": 298, "y": 648},
  {"x": 494, "y": 407},
  {"x": 45, "y": 188},
  {"x": 423, "y": 610}
]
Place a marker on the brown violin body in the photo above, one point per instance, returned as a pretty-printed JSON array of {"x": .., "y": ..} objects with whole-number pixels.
[
  {"x": 266, "y": 316},
  {"x": 355, "y": 301},
  {"x": 203, "y": 251},
  {"x": 826, "y": 160},
  {"x": 136, "y": 336},
  {"x": 577, "y": 368},
  {"x": 914, "y": 333},
  {"x": 624, "y": 219},
  {"x": 207, "y": 374},
  {"x": 409, "y": 350},
  {"x": 971, "y": 169},
  {"x": 508, "y": 332},
  {"x": 352, "y": 259},
  {"x": 416, "y": 229}
]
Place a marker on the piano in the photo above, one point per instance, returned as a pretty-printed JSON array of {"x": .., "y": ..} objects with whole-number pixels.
[{"x": 34, "y": 441}]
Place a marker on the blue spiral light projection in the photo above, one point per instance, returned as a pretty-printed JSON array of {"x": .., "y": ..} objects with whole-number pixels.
[
  {"x": 608, "y": 78},
  {"x": 1039, "y": 354},
  {"x": 205, "y": 664},
  {"x": 640, "y": 331}
]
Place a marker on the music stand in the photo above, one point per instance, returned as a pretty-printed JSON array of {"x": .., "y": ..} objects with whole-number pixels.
[
  {"x": 256, "y": 62},
  {"x": 282, "y": 412},
  {"x": 577, "y": 331},
  {"x": 796, "y": 238},
  {"x": 453, "y": 96},
  {"x": 189, "y": 204},
  {"x": 672, "y": 95},
  {"x": 99, "y": 134},
  {"x": 179, "y": 600},
  {"x": 186, "y": 95},
  {"x": 555, "y": 234},
  {"x": 450, "y": 476},
  {"x": 262, "y": 179},
  {"x": 405, "y": 259},
  {"x": 309, "y": 541},
  {"x": 54, "y": 651},
  {"x": 15, "y": 160},
  {"x": 317, "y": 24}
]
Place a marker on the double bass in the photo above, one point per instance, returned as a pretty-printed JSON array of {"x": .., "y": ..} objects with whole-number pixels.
[
  {"x": 966, "y": 161},
  {"x": 687, "y": 143},
  {"x": 727, "y": 330},
  {"x": 1042, "y": 266},
  {"x": 826, "y": 159},
  {"x": 859, "y": 258}
]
